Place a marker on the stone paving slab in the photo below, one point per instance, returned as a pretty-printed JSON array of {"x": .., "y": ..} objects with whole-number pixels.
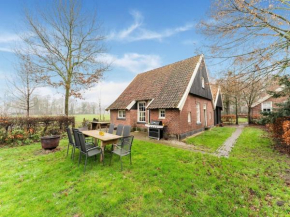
[{"x": 226, "y": 148}]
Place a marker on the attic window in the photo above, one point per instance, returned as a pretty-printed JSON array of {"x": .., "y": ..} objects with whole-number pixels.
[{"x": 202, "y": 82}]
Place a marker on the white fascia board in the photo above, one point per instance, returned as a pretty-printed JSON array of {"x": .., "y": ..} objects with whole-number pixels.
[
  {"x": 149, "y": 103},
  {"x": 131, "y": 105},
  {"x": 184, "y": 97}
]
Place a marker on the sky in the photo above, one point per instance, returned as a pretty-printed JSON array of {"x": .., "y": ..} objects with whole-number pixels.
[{"x": 141, "y": 35}]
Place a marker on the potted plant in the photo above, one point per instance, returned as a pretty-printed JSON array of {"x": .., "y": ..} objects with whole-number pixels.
[{"x": 50, "y": 138}]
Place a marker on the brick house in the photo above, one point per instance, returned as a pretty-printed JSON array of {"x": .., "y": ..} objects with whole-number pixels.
[
  {"x": 266, "y": 103},
  {"x": 178, "y": 94},
  {"x": 217, "y": 102}
]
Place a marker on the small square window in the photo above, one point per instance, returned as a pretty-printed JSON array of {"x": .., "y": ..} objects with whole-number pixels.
[
  {"x": 161, "y": 113},
  {"x": 121, "y": 114}
]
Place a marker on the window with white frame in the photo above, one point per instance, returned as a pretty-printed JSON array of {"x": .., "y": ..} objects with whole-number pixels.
[
  {"x": 161, "y": 113},
  {"x": 202, "y": 82},
  {"x": 198, "y": 113},
  {"x": 141, "y": 111},
  {"x": 189, "y": 117},
  {"x": 267, "y": 106},
  {"x": 121, "y": 114}
]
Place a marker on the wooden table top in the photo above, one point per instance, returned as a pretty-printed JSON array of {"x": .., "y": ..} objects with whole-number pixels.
[
  {"x": 100, "y": 122},
  {"x": 106, "y": 137}
]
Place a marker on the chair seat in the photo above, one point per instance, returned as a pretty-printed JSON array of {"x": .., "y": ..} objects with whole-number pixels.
[
  {"x": 94, "y": 151},
  {"x": 121, "y": 152}
]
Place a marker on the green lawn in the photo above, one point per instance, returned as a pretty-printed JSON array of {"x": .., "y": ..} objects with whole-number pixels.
[
  {"x": 79, "y": 118},
  {"x": 212, "y": 139},
  {"x": 163, "y": 181},
  {"x": 243, "y": 120}
]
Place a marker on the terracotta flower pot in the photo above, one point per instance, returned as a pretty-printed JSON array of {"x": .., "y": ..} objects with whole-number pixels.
[{"x": 50, "y": 142}]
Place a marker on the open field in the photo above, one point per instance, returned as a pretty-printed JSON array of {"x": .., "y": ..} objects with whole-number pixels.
[
  {"x": 212, "y": 139},
  {"x": 79, "y": 118},
  {"x": 163, "y": 181}
]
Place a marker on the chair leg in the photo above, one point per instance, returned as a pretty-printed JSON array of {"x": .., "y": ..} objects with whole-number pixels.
[
  {"x": 103, "y": 159},
  {"x": 73, "y": 153},
  {"x": 67, "y": 150},
  {"x": 121, "y": 163},
  {"x": 80, "y": 157},
  {"x": 86, "y": 163}
]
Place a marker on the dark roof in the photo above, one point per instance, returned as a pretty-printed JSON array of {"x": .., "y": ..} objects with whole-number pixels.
[
  {"x": 166, "y": 85},
  {"x": 214, "y": 90}
]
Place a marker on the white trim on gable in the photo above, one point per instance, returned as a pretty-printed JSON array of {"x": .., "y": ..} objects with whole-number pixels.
[
  {"x": 184, "y": 97},
  {"x": 216, "y": 98},
  {"x": 131, "y": 104},
  {"x": 149, "y": 103}
]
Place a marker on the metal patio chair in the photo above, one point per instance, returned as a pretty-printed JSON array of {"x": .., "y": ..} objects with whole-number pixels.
[
  {"x": 124, "y": 149},
  {"x": 88, "y": 151},
  {"x": 70, "y": 142},
  {"x": 119, "y": 129},
  {"x": 127, "y": 130},
  {"x": 77, "y": 142},
  {"x": 111, "y": 129}
]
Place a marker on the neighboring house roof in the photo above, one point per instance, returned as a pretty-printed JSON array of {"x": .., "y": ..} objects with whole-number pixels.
[
  {"x": 216, "y": 91},
  {"x": 165, "y": 87},
  {"x": 267, "y": 96}
]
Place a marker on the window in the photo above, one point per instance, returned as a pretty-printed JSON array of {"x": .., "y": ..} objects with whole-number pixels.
[
  {"x": 141, "y": 111},
  {"x": 121, "y": 114},
  {"x": 189, "y": 117},
  {"x": 198, "y": 113},
  {"x": 161, "y": 113},
  {"x": 267, "y": 106},
  {"x": 202, "y": 82}
]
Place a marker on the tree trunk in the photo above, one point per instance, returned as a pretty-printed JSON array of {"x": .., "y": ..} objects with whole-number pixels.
[
  {"x": 237, "y": 117},
  {"x": 66, "y": 100},
  {"x": 249, "y": 115}
]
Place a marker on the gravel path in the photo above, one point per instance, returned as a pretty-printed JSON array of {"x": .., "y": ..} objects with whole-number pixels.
[{"x": 226, "y": 148}]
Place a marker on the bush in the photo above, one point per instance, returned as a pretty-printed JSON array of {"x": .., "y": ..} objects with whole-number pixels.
[
  {"x": 231, "y": 119},
  {"x": 280, "y": 129},
  {"x": 25, "y": 130}
]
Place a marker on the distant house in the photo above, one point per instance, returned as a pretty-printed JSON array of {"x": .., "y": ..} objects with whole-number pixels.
[
  {"x": 178, "y": 94},
  {"x": 217, "y": 102},
  {"x": 266, "y": 103}
]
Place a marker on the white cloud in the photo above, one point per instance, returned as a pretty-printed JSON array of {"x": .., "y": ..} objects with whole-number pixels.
[
  {"x": 134, "y": 62},
  {"x": 8, "y": 37},
  {"x": 136, "y": 32},
  {"x": 106, "y": 91}
]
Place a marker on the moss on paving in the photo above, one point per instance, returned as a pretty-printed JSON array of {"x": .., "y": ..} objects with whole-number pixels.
[
  {"x": 212, "y": 139},
  {"x": 163, "y": 181}
]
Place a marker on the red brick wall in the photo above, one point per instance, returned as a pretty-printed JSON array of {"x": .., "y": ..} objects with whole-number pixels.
[
  {"x": 258, "y": 108},
  {"x": 175, "y": 120},
  {"x": 190, "y": 106}
]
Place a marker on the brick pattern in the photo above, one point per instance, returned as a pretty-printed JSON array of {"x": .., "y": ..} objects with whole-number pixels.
[
  {"x": 175, "y": 120},
  {"x": 258, "y": 108}
]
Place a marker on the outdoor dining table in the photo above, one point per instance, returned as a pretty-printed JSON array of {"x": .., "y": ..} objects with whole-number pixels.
[{"x": 106, "y": 139}]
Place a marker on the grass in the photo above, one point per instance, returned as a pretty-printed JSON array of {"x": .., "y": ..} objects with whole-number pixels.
[
  {"x": 79, "y": 118},
  {"x": 212, "y": 139},
  {"x": 163, "y": 181},
  {"x": 243, "y": 120}
]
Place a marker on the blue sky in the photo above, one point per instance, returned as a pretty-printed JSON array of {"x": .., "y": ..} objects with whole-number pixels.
[{"x": 142, "y": 35}]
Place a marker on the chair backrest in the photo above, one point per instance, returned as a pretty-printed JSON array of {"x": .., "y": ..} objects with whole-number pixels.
[
  {"x": 70, "y": 139},
  {"x": 82, "y": 142},
  {"x": 111, "y": 128},
  {"x": 83, "y": 128},
  {"x": 119, "y": 130},
  {"x": 127, "y": 130},
  {"x": 76, "y": 137},
  {"x": 127, "y": 143}
]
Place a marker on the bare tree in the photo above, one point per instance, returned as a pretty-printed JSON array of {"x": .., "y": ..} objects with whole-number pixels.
[
  {"x": 251, "y": 32},
  {"x": 251, "y": 92},
  {"x": 23, "y": 85},
  {"x": 231, "y": 86},
  {"x": 67, "y": 44}
]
